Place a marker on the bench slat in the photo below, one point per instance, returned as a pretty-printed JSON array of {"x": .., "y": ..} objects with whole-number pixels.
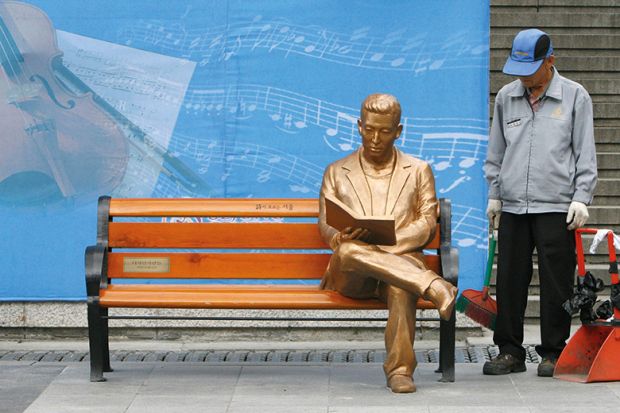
[
  {"x": 214, "y": 207},
  {"x": 240, "y": 266},
  {"x": 234, "y": 297},
  {"x": 198, "y": 265},
  {"x": 221, "y": 235},
  {"x": 215, "y": 235}
]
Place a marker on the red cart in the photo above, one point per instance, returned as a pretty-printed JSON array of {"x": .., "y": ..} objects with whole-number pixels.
[{"x": 593, "y": 353}]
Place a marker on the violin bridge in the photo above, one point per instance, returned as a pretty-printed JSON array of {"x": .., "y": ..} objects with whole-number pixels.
[{"x": 38, "y": 127}]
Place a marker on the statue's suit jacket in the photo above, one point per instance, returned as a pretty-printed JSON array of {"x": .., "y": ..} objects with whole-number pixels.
[{"x": 411, "y": 200}]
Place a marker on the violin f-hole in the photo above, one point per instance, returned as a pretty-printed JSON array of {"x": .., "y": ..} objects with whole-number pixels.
[{"x": 50, "y": 92}]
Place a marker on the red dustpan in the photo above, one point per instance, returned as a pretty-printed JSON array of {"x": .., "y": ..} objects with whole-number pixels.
[{"x": 593, "y": 353}]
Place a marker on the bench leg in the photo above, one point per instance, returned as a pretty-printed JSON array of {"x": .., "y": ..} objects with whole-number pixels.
[
  {"x": 106, "y": 341},
  {"x": 95, "y": 341},
  {"x": 447, "y": 337}
]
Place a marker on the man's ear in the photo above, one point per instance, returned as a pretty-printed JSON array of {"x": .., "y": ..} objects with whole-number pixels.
[
  {"x": 399, "y": 130},
  {"x": 359, "y": 126}
]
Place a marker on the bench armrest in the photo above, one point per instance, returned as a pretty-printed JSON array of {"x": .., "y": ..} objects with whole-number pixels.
[
  {"x": 450, "y": 264},
  {"x": 96, "y": 266},
  {"x": 449, "y": 254}
]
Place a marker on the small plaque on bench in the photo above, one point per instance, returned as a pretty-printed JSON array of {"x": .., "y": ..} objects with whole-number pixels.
[{"x": 146, "y": 264}]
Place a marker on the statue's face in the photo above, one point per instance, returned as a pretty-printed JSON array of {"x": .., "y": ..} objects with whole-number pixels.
[{"x": 378, "y": 131}]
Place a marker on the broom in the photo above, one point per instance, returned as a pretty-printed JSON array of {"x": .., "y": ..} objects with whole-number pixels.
[{"x": 478, "y": 305}]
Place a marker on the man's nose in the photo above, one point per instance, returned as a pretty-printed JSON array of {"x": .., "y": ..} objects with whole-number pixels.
[{"x": 375, "y": 137}]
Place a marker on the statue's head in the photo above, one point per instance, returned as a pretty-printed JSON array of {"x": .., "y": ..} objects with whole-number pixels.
[{"x": 379, "y": 126}]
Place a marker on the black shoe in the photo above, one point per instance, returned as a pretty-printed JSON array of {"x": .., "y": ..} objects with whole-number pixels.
[
  {"x": 547, "y": 366},
  {"x": 503, "y": 364}
]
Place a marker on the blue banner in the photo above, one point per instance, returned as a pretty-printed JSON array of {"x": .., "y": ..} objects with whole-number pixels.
[{"x": 222, "y": 99}]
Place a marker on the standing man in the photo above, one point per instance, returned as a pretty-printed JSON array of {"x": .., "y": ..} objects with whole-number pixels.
[
  {"x": 541, "y": 170},
  {"x": 378, "y": 179}
]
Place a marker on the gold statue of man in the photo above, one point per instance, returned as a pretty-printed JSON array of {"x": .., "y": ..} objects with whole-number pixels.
[{"x": 378, "y": 179}]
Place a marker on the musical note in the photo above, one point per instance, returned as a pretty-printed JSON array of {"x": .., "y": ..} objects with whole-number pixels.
[
  {"x": 263, "y": 176},
  {"x": 359, "y": 34},
  {"x": 466, "y": 242},
  {"x": 469, "y": 161},
  {"x": 188, "y": 8},
  {"x": 459, "y": 143},
  {"x": 299, "y": 188},
  {"x": 390, "y": 52},
  {"x": 301, "y": 124},
  {"x": 440, "y": 166},
  {"x": 350, "y": 123},
  {"x": 454, "y": 184},
  {"x": 399, "y": 61}
]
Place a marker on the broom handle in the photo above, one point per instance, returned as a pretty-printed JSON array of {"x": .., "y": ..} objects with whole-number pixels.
[{"x": 489, "y": 270}]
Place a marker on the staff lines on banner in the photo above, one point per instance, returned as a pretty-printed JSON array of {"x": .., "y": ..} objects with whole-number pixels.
[
  {"x": 304, "y": 176},
  {"x": 395, "y": 51},
  {"x": 469, "y": 226},
  {"x": 249, "y": 97},
  {"x": 292, "y": 112}
]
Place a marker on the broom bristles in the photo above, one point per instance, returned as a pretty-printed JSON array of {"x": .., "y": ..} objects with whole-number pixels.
[{"x": 479, "y": 314}]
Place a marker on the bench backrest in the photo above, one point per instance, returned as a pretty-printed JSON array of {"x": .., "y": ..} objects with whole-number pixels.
[{"x": 226, "y": 232}]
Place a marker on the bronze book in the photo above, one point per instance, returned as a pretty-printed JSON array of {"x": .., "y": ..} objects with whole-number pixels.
[{"x": 382, "y": 228}]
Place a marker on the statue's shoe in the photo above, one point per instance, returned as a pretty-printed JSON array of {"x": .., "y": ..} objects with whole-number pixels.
[
  {"x": 443, "y": 295},
  {"x": 399, "y": 383}
]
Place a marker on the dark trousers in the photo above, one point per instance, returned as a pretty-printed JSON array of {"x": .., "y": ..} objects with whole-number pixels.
[{"x": 555, "y": 246}]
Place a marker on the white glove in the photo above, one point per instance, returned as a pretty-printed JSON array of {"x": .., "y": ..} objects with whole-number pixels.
[
  {"x": 577, "y": 215},
  {"x": 494, "y": 210}
]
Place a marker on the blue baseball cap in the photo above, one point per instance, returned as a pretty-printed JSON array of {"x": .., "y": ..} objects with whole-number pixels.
[{"x": 529, "y": 49}]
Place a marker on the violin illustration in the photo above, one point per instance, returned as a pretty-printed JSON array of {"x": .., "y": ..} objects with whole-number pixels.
[{"x": 59, "y": 139}]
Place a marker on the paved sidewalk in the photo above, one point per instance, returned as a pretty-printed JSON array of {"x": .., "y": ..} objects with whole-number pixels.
[
  {"x": 336, "y": 387},
  {"x": 180, "y": 385}
]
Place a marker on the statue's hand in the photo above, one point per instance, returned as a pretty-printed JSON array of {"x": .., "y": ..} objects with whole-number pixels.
[{"x": 349, "y": 234}]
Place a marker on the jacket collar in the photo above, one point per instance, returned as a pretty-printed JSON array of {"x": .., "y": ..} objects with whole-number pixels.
[
  {"x": 355, "y": 174},
  {"x": 553, "y": 91}
]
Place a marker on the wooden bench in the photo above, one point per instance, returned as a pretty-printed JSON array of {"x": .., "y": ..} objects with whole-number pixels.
[{"x": 223, "y": 227}]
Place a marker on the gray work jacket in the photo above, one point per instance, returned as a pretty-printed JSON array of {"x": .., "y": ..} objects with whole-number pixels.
[{"x": 540, "y": 162}]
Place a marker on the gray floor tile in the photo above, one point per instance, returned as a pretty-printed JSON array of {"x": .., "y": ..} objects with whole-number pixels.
[
  {"x": 290, "y": 375},
  {"x": 371, "y": 374},
  {"x": 387, "y": 408},
  {"x": 178, "y": 403},
  {"x": 567, "y": 394},
  {"x": 478, "y": 409},
  {"x": 126, "y": 373},
  {"x": 309, "y": 394},
  {"x": 216, "y": 394},
  {"x": 574, "y": 409},
  {"x": 372, "y": 397},
  {"x": 614, "y": 388},
  {"x": 20, "y": 385},
  {"x": 194, "y": 375},
  {"x": 65, "y": 401},
  {"x": 242, "y": 407}
]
